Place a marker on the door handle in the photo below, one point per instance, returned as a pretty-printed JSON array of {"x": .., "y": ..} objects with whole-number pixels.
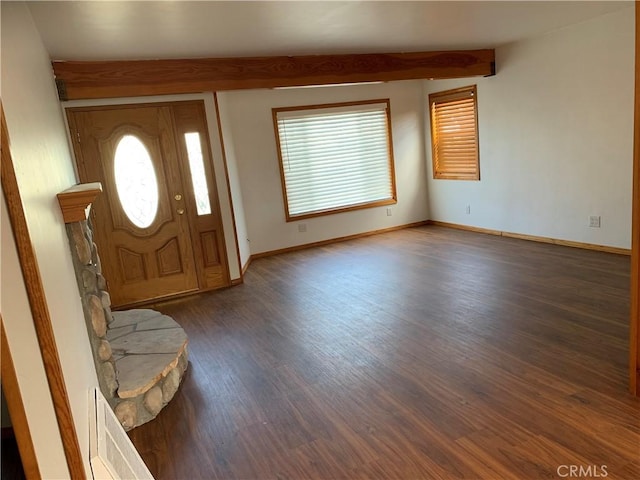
[{"x": 180, "y": 211}]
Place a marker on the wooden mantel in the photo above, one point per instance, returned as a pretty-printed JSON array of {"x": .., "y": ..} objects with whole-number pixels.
[
  {"x": 75, "y": 202},
  {"x": 109, "y": 79}
]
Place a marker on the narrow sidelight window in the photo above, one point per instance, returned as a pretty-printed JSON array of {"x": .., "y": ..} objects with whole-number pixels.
[
  {"x": 198, "y": 176},
  {"x": 454, "y": 134}
]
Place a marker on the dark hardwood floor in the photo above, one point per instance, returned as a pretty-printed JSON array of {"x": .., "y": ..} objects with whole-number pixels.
[{"x": 418, "y": 354}]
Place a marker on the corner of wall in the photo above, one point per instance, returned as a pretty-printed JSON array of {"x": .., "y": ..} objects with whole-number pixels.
[
  {"x": 227, "y": 141},
  {"x": 556, "y": 130}
]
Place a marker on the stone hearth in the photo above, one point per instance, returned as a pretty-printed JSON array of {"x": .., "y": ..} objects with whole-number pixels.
[
  {"x": 150, "y": 353},
  {"x": 140, "y": 355}
]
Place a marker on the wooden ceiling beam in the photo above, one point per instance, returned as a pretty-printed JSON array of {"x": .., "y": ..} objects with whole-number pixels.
[{"x": 108, "y": 79}]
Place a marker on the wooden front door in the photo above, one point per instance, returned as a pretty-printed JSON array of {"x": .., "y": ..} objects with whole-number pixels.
[{"x": 157, "y": 225}]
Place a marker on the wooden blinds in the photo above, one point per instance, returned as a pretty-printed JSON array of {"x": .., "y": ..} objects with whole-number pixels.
[{"x": 454, "y": 134}]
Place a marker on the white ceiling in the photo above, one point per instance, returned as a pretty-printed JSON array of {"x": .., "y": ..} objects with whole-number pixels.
[{"x": 108, "y": 30}]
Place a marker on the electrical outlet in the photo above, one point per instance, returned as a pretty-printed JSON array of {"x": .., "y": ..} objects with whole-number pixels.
[
  {"x": 302, "y": 227},
  {"x": 467, "y": 210},
  {"x": 594, "y": 221},
  {"x": 389, "y": 212}
]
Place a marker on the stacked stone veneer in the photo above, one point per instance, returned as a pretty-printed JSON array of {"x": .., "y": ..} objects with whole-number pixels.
[{"x": 140, "y": 355}]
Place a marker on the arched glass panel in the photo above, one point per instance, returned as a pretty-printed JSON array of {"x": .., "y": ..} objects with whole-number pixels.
[{"x": 136, "y": 181}]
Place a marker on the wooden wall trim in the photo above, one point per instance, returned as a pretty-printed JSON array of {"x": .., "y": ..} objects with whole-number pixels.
[
  {"x": 16, "y": 409},
  {"x": 75, "y": 201},
  {"x": 634, "y": 330},
  {"x": 108, "y": 79},
  {"x": 40, "y": 311},
  {"x": 246, "y": 265},
  {"x": 535, "y": 238},
  {"x": 333, "y": 240}
]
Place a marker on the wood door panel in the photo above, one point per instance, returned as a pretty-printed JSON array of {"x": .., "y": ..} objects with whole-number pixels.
[
  {"x": 169, "y": 258},
  {"x": 107, "y": 148},
  {"x": 214, "y": 277},
  {"x": 156, "y": 252},
  {"x": 170, "y": 285},
  {"x": 206, "y": 230},
  {"x": 151, "y": 244},
  {"x": 139, "y": 262},
  {"x": 209, "y": 244},
  {"x": 132, "y": 265},
  {"x": 179, "y": 251}
]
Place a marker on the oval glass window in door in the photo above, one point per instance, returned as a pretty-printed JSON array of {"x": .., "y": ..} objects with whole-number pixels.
[{"x": 136, "y": 181}]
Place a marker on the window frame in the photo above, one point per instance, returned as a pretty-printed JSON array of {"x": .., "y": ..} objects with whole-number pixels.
[
  {"x": 444, "y": 97},
  {"x": 347, "y": 208}
]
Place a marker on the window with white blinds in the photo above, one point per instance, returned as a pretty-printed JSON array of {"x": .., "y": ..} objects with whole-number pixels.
[
  {"x": 335, "y": 157},
  {"x": 454, "y": 134}
]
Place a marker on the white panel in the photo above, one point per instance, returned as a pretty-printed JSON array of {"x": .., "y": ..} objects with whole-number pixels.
[{"x": 113, "y": 456}]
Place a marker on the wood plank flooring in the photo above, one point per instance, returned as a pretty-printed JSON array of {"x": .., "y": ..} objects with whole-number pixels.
[{"x": 425, "y": 353}]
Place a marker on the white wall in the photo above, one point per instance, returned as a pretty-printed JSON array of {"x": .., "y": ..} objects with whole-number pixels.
[
  {"x": 224, "y": 195},
  {"x": 234, "y": 182},
  {"x": 43, "y": 167},
  {"x": 249, "y": 119},
  {"x": 556, "y": 137}
]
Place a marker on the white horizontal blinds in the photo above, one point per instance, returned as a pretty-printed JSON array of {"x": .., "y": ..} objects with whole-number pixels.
[
  {"x": 334, "y": 158},
  {"x": 454, "y": 134}
]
